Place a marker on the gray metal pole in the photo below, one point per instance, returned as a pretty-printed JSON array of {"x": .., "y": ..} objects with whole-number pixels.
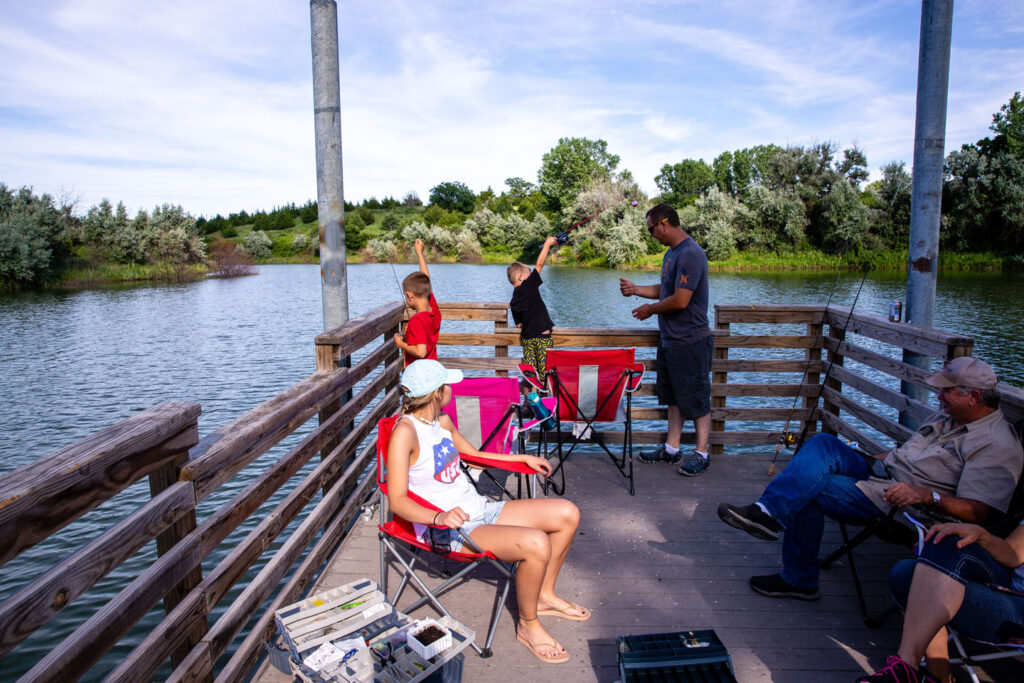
[
  {"x": 926, "y": 196},
  {"x": 330, "y": 195}
]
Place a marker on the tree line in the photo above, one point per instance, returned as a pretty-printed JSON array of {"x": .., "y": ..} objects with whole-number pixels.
[{"x": 765, "y": 199}]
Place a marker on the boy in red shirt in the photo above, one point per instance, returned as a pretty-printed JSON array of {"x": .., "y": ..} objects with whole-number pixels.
[{"x": 424, "y": 326}]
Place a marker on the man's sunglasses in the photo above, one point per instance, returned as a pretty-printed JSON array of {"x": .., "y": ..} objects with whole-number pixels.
[{"x": 650, "y": 228}]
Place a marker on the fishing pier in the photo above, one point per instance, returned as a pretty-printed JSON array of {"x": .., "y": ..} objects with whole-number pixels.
[{"x": 302, "y": 465}]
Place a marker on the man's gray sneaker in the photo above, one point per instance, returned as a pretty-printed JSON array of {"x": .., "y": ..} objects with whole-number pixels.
[
  {"x": 774, "y": 586},
  {"x": 695, "y": 465},
  {"x": 752, "y": 519},
  {"x": 660, "y": 455}
]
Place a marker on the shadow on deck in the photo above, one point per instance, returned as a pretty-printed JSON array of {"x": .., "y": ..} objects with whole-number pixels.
[{"x": 663, "y": 561}]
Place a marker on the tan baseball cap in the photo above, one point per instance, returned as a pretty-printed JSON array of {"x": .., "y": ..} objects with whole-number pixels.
[{"x": 965, "y": 371}]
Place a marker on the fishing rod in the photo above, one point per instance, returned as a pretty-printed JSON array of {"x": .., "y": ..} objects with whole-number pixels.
[
  {"x": 788, "y": 439},
  {"x": 563, "y": 236}
]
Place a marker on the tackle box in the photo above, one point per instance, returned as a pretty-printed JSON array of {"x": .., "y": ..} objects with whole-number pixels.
[
  {"x": 360, "y": 611},
  {"x": 682, "y": 656}
]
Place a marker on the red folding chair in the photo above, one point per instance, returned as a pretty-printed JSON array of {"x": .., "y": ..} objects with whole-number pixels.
[
  {"x": 589, "y": 386},
  {"x": 486, "y": 411},
  {"x": 398, "y": 539}
]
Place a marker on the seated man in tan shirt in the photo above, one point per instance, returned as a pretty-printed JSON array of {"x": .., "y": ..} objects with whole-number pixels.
[{"x": 964, "y": 461}]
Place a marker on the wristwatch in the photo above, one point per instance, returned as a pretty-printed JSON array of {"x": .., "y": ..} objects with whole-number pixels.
[{"x": 935, "y": 498}]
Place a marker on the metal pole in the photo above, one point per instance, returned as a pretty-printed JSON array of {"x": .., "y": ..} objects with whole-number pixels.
[
  {"x": 330, "y": 195},
  {"x": 926, "y": 197}
]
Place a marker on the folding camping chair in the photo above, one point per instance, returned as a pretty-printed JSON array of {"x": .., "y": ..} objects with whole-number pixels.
[
  {"x": 486, "y": 411},
  {"x": 589, "y": 386},
  {"x": 889, "y": 529},
  {"x": 958, "y": 644},
  {"x": 399, "y": 540}
]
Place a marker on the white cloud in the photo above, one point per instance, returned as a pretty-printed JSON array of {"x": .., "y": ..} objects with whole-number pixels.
[{"x": 209, "y": 105}]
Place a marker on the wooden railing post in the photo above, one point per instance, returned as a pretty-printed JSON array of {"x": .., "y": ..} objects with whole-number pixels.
[
  {"x": 159, "y": 480},
  {"x": 958, "y": 350},
  {"x": 835, "y": 359},
  {"x": 395, "y": 354},
  {"x": 720, "y": 378},
  {"x": 501, "y": 351},
  {"x": 326, "y": 362},
  {"x": 813, "y": 378}
]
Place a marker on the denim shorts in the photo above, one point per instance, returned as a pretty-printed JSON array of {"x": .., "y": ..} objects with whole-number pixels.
[
  {"x": 986, "y": 614},
  {"x": 450, "y": 540}
]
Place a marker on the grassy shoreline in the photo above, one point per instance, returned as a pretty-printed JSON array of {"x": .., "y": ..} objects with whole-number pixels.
[{"x": 106, "y": 275}]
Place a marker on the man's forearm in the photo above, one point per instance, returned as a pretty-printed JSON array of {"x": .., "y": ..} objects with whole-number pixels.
[
  {"x": 966, "y": 509},
  {"x": 648, "y": 291}
]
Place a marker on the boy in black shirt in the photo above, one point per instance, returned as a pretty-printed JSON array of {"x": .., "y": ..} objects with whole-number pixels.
[{"x": 528, "y": 310}]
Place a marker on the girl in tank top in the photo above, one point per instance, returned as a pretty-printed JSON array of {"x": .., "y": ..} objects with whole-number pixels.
[{"x": 423, "y": 456}]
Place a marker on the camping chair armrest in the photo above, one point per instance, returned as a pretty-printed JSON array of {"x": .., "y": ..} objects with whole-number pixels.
[
  {"x": 635, "y": 375},
  {"x": 532, "y": 377},
  {"x": 493, "y": 463}
]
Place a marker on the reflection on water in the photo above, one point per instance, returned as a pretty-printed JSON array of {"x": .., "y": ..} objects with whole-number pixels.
[{"x": 73, "y": 363}]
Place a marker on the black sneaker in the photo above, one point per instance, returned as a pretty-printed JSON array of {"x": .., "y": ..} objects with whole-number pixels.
[
  {"x": 660, "y": 455},
  {"x": 774, "y": 586},
  {"x": 897, "y": 670},
  {"x": 752, "y": 519},
  {"x": 695, "y": 465}
]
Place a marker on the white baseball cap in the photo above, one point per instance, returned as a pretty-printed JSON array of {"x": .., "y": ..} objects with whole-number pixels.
[{"x": 425, "y": 375}]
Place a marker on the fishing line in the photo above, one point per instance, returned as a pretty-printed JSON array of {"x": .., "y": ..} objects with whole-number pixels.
[
  {"x": 788, "y": 439},
  {"x": 563, "y": 236}
]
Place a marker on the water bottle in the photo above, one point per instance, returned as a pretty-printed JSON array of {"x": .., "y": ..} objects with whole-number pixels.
[{"x": 540, "y": 411}]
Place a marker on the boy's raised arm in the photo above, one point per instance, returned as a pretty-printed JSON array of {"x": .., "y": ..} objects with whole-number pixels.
[
  {"x": 419, "y": 254},
  {"x": 548, "y": 243}
]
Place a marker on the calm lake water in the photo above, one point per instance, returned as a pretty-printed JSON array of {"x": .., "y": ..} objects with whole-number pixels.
[{"x": 73, "y": 363}]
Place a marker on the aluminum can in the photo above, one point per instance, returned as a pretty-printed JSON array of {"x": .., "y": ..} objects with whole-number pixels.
[{"x": 895, "y": 311}]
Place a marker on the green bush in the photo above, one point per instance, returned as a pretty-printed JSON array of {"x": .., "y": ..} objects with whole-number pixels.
[
  {"x": 366, "y": 215},
  {"x": 258, "y": 244}
]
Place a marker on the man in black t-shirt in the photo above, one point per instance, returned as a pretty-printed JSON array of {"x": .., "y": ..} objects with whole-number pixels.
[{"x": 686, "y": 344}]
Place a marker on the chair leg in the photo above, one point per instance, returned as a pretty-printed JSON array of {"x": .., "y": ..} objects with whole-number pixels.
[
  {"x": 383, "y": 563},
  {"x": 496, "y": 613},
  {"x": 964, "y": 658},
  {"x": 846, "y": 547},
  {"x": 549, "y": 483},
  {"x": 856, "y": 577}
]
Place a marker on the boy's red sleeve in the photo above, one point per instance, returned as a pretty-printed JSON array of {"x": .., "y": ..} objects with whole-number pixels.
[
  {"x": 435, "y": 311},
  {"x": 418, "y": 331}
]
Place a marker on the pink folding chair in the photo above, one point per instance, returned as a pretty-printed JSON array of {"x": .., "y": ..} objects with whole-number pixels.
[
  {"x": 486, "y": 411},
  {"x": 589, "y": 386}
]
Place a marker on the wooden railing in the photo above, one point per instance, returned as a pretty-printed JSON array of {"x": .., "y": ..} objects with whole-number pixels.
[
  {"x": 354, "y": 385},
  {"x": 163, "y": 443}
]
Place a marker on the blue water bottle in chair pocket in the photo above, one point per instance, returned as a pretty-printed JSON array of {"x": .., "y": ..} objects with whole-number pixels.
[{"x": 540, "y": 411}]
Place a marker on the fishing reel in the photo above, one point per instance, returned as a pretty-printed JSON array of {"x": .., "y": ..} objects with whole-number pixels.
[
  {"x": 562, "y": 237},
  {"x": 788, "y": 439}
]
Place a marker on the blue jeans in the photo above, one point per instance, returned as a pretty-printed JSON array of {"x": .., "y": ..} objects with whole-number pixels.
[
  {"x": 984, "y": 610},
  {"x": 820, "y": 480}
]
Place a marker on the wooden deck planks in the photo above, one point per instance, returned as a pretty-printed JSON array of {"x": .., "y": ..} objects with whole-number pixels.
[{"x": 662, "y": 561}]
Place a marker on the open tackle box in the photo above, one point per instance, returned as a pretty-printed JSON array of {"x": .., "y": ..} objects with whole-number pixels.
[{"x": 352, "y": 633}]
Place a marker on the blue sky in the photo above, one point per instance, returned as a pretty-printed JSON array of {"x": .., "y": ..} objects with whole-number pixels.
[{"x": 209, "y": 104}]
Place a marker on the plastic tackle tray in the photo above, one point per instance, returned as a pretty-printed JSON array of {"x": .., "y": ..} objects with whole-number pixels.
[
  {"x": 330, "y": 615},
  {"x": 681, "y": 656}
]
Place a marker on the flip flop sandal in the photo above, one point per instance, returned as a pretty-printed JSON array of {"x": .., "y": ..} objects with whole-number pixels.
[
  {"x": 586, "y": 614},
  {"x": 532, "y": 647}
]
